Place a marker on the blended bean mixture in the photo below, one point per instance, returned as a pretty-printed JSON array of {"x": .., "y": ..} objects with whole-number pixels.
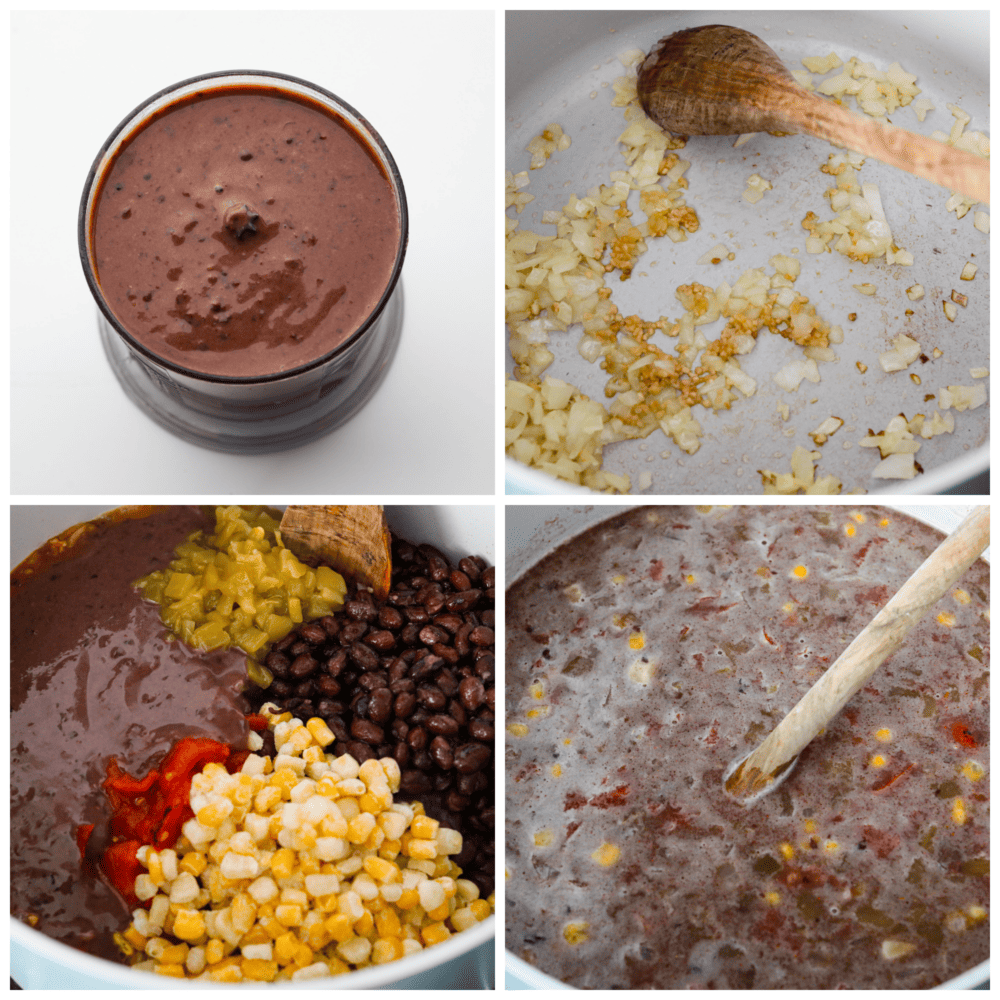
[
  {"x": 647, "y": 654},
  {"x": 93, "y": 676},
  {"x": 244, "y": 232}
]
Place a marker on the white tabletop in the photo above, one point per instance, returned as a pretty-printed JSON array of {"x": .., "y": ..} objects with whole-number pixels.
[{"x": 424, "y": 81}]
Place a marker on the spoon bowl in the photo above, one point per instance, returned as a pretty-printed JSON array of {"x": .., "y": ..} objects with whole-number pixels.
[{"x": 719, "y": 80}]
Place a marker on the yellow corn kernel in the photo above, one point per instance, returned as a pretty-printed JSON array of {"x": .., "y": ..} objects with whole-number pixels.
[
  {"x": 425, "y": 850},
  {"x": 243, "y": 912},
  {"x": 772, "y": 898},
  {"x": 946, "y": 618},
  {"x": 877, "y": 760},
  {"x": 424, "y": 827},
  {"x": 830, "y": 846},
  {"x": 537, "y": 691},
  {"x": 134, "y": 938},
  {"x": 320, "y": 732},
  {"x": 973, "y": 770},
  {"x": 387, "y": 923},
  {"x": 193, "y": 863},
  {"x": 517, "y": 729},
  {"x": 434, "y": 933},
  {"x": 267, "y": 799},
  {"x": 155, "y": 867},
  {"x": 810, "y": 826},
  {"x": 637, "y": 640},
  {"x": 408, "y": 900},
  {"x": 289, "y": 914},
  {"x": 283, "y": 862},
  {"x": 787, "y": 851},
  {"x": 285, "y": 948},
  {"x": 339, "y": 927},
  {"x": 303, "y": 955},
  {"x": 958, "y": 813},
  {"x": 173, "y": 969},
  {"x": 962, "y": 596},
  {"x": 556, "y": 770},
  {"x": 226, "y": 972},
  {"x": 442, "y": 912},
  {"x": 365, "y": 925},
  {"x": 189, "y": 925},
  {"x": 849, "y": 530},
  {"x": 175, "y": 954},
  {"x": 259, "y": 969},
  {"x": 481, "y": 908},
  {"x": 606, "y": 855},
  {"x": 883, "y": 735},
  {"x": 215, "y": 951},
  {"x": 576, "y": 933},
  {"x": 386, "y": 949},
  {"x": 381, "y": 870},
  {"x": 360, "y": 828},
  {"x": 801, "y": 572}
]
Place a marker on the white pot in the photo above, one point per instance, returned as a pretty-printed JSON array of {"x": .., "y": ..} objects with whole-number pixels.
[
  {"x": 465, "y": 961},
  {"x": 533, "y": 532},
  {"x": 559, "y": 68}
]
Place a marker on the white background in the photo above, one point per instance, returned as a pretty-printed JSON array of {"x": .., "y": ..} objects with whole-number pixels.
[{"x": 426, "y": 83}]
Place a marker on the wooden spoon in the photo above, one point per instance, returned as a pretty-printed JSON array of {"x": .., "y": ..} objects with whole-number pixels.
[
  {"x": 717, "y": 80},
  {"x": 352, "y": 540},
  {"x": 881, "y": 637}
]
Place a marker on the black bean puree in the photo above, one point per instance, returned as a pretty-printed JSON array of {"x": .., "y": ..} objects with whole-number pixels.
[
  {"x": 194, "y": 283},
  {"x": 627, "y": 746},
  {"x": 93, "y": 675}
]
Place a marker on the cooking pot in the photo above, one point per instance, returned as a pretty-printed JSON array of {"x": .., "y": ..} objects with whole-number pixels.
[
  {"x": 534, "y": 531},
  {"x": 560, "y": 65},
  {"x": 464, "y": 961}
]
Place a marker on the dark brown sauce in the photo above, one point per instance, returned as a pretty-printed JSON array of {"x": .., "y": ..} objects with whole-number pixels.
[
  {"x": 223, "y": 297},
  {"x": 93, "y": 675}
]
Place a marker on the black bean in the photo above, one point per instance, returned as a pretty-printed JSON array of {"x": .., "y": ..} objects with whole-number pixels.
[
  {"x": 336, "y": 663},
  {"x": 401, "y": 754},
  {"x": 431, "y": 634},
  {"x": 417, "y": 615},
  {"x": 469, "y": 784},
  {"x": 472, "y": 692},
  {"x": 380, "y": 705},
  {"x": 481, "y": 730},
  {"x": 361, "y": 611},
  {"x": 441, "y": 753},
  {"x": 448, "y": 621},
  {"x": 368, "y": 732},
  {"x": 330, "y": 625},
  {"x": 437, "y": 565},
  {"x": 362, "y": 656},
  {"x": 302, "y": 666},
  {"x": 442, "y": 725},
  {"x": 326, "y": 707},
  {"x": 463, "y": 601},
  {"x": 405, "y": 704},
  {"x": 371, "y": 681},
  {"x": 471, "y": 757},
  {"x": 325, "y": 684},
  {"x": 390, "y": 618},
  {"x": 488, "y": 576},
  {"x": 417, "y": 738},
  {"x": 403, "y": 684},
  {"x": 313, "y": 632},
  {"x": 383, "y": 640},
  {"x": 398, "y": 669},
  {"x": 447, "y": 653},
  {"x": 361, "y": 751},
  {"x": 481, "y": 636},
  {"x": 456, "y": 711},
  {"x": 432, "y": 697},
  {"x": 351, "y": 632},
  {"x": 277, "y": 663},
  {"x": 459, "y": 580},
  {"x": 469, "y": 568},
  {"x": 414, "y": 782},
  {"x": 447, "y": 681},
  {"x": 410, "y": 635}
]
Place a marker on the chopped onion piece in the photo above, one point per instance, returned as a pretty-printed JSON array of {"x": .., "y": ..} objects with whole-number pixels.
[
  {"x": 969, "y": 271},
  {"x": 866, "y": 289}
]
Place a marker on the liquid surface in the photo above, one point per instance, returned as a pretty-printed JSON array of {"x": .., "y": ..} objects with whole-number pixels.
[
  {"x": 647, "y": 654},
  {"x": 188, "y": 278},
  {"x": 92, "y": 676}
]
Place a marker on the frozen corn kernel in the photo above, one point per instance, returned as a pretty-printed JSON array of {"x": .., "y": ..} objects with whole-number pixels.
[{"x": 606, "y": 855}]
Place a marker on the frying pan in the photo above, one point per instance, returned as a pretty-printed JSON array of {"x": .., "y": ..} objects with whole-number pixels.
[{"x": 560, "y": 66}]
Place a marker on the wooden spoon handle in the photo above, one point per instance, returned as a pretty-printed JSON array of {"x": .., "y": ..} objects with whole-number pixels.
[
  {"x": 881, "y": 637},
  {"x": 955, "y": 169}
]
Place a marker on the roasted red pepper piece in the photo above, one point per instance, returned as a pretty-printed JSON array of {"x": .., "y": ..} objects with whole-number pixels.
[
  {"x": 152, "y": 810},
  {"x": 258, "y": 723},
  {"x": 122, "y": 868},
  {"x": 83, "y": 832}
]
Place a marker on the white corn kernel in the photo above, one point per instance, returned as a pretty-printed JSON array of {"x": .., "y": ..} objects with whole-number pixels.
[
  {"x": 184, "y": 888},
  {"x": 236, "y": 866},
  {"x": 263, "y": 889},
  {"x": 322, "y": 885}
]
